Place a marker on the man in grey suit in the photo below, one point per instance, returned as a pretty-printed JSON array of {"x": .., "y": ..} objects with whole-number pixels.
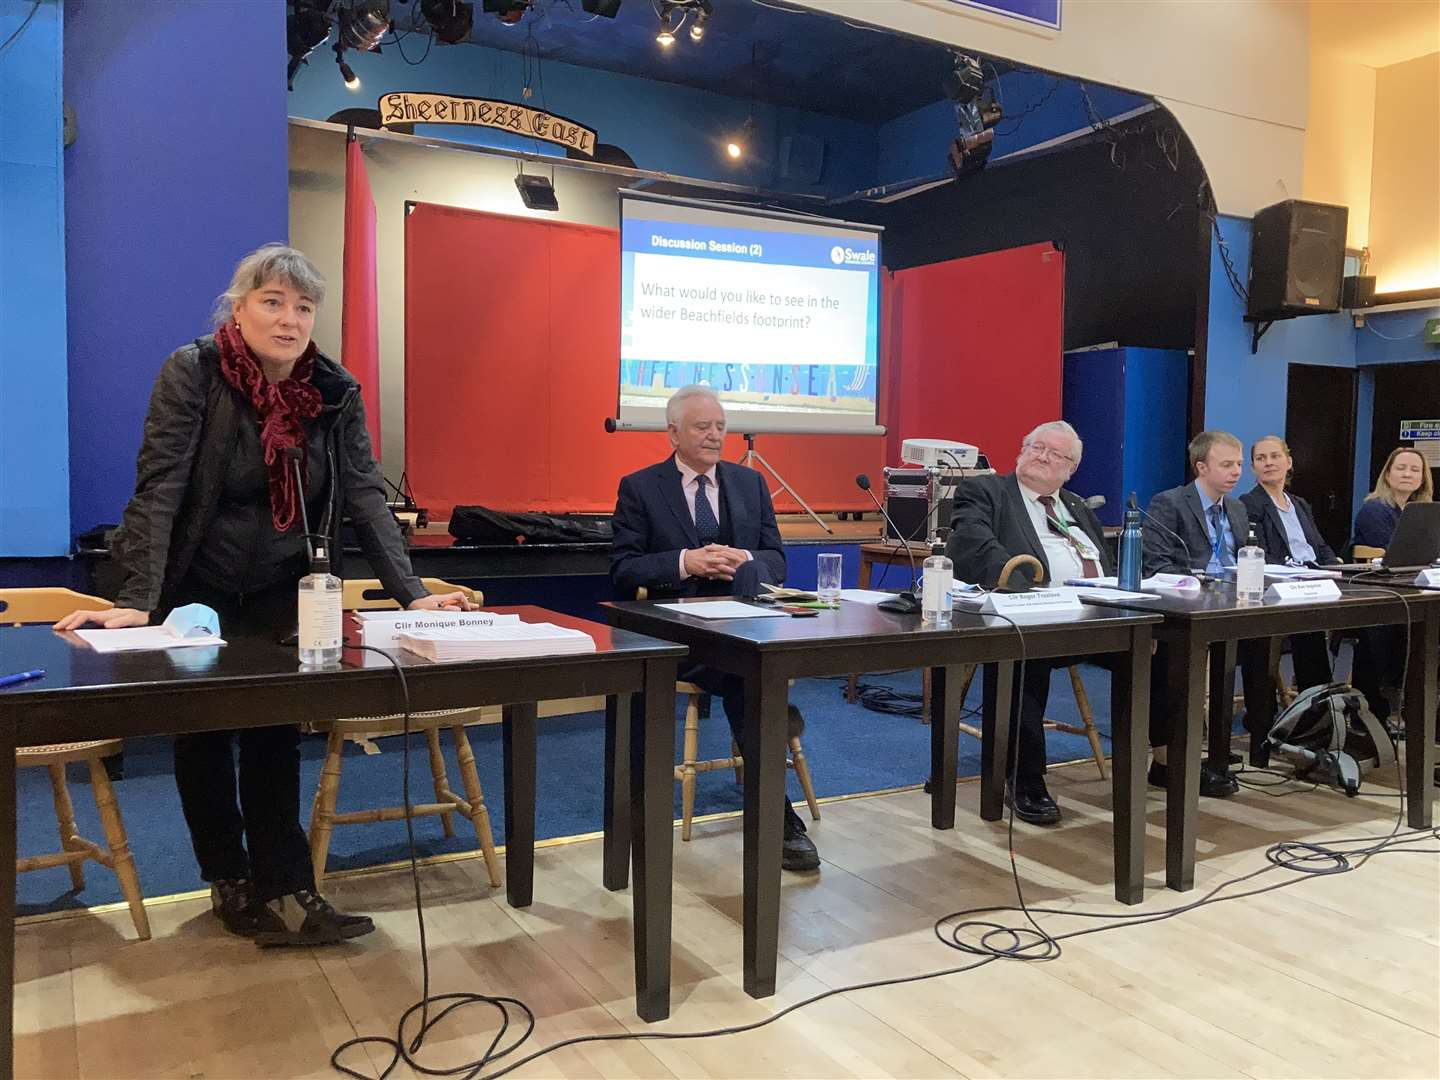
[
  {"x": 1030, "y": 513},
  {"x": 1196, "y": 528}
]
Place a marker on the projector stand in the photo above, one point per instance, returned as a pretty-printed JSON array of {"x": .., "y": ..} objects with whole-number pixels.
[{"x": 754, "y": 460}]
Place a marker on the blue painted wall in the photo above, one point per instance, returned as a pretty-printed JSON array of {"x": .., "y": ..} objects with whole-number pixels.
[
  {"x": 915, "y": 145},
  {"x": 1245, "y": 394},
  {"x": 677, "y": 129},
  {"x": 34, "y": 462},
  {"x": 1396, "y": 337},
  {"x": 179, "y": 170},
  {"x": 1129, "y": 407}
]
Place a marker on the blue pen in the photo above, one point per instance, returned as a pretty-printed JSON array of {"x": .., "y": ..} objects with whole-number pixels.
[{"x": 23, "y": 676}]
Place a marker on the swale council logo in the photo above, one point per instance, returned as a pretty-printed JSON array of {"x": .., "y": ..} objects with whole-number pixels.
[{"x": 837, "y": 255}]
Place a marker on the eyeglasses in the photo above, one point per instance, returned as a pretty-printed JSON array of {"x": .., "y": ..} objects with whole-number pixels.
[{"x": 1044, "y": 453}]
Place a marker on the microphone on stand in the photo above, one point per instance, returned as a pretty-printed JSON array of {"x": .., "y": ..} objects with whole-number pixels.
[
  {"x": 905, "y": 603},
  {"x": 295, "y": 454},
  {"x": 1202, "y": 575}
]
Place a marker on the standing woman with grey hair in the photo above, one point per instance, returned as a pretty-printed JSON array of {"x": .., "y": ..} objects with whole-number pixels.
[{"x": 216, "y": 519}]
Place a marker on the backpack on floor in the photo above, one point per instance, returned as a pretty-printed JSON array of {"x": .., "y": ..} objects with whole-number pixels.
[{"x": 1331, "y": 737}]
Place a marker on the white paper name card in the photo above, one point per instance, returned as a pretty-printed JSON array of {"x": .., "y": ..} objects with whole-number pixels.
[
  {"x": 1035, "y": 602},
  {"x": 1291, "y": 592},
  {"x": 383, "y": 628},
  {"x": 1429, "y": 577}
]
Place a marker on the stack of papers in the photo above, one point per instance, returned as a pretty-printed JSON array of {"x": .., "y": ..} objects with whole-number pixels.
[
  {"x": 724, "y": 609},
  {"x": 1170, "y": 582},
  {"x": 503, "y": 641},
  {"x": 143, "y": 639},
  {"x": 1298, "y": 573}
]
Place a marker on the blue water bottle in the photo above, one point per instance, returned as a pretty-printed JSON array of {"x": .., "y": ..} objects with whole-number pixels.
[{"x": 1131, "y": 547}]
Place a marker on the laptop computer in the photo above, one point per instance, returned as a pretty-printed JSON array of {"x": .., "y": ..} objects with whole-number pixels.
[{"x": 1416, "y": 543}]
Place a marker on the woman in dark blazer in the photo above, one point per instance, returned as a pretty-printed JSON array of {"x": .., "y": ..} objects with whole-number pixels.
[
  {"x": 1285, "y": 527},
  {"x": 215, "y": 519}
]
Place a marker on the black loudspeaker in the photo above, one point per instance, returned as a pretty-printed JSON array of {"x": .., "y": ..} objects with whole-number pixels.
[{"x": 1297, "y": 259}]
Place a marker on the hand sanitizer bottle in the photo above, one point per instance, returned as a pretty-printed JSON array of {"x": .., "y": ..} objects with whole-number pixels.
[
  {"x": 319, "y": 611},
  {"x": 1250, "y": 572},
  {"x": 935, "y": 597}
]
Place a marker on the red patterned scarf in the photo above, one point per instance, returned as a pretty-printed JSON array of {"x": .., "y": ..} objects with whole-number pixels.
[{"x": 282, "y": 407}]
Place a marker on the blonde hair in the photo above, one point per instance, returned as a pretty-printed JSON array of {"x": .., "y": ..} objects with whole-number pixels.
[
  {"x": 1386, "y": 494},
  {"x": 1269, "y": 438}
]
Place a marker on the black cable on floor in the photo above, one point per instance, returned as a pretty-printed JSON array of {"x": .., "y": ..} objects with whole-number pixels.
[{"x": 996, "y": 940}]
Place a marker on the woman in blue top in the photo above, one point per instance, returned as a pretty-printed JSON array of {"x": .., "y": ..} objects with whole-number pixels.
[
  {"x": 1404, "y": 479},
  {"x": 1285, "y": 527}
]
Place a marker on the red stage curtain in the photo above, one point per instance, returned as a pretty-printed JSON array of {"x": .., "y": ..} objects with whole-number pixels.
[
  {"x": 359, "y": 325},
  {"x": 511, "y": 367},
  {"x": 975, "y": 350}
]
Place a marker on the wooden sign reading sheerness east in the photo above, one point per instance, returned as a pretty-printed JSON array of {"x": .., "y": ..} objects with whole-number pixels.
[{"x": 408, "y": 107}]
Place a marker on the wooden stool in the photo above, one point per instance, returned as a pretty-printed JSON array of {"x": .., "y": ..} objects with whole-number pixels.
[
  {"x": 47, "y": 605},
  {"x": 359, "y": 596},
  {"x": 686, "y": 771}
]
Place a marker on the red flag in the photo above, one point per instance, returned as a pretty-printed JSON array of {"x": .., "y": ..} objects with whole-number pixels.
[{"x": 359, "y": 317}]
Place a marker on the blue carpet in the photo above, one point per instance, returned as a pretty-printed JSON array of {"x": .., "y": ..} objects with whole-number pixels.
[{"x": 850, "y": 749}]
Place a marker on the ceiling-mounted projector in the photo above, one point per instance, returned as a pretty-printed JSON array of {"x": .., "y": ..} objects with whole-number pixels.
[{"x": 939, "y": 454}]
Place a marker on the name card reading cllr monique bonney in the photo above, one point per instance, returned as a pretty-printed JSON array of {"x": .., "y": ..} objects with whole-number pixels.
[{"x": 405, "y": 107}]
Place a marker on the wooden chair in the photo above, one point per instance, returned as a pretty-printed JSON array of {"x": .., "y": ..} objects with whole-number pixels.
[
  {"x": 689, "y": 766},
  {"x": 367, "y": 595},
  {"x": 47, "y": 605},
  {"x": 1364, "y": 553}
]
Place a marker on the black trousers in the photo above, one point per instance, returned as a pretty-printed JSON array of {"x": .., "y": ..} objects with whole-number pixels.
[
  {"x": 259, "y": 836},
  {"x": 1310, "y": 654},
  {"x": 1027, "y": 749},
  {"x": 1379, "y": 663}
]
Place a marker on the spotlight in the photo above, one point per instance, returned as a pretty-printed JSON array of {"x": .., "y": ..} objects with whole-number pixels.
[
  {"x": 364, "y": 23},
  {"x": 537, "y": 192},
  {"x": 604, "y": 8},
  {"x": 306, "y": 29},
  {"x": 347, "y": 73},
  {"x": 508, "y": 12},
  {"x": 451, "y": 20},
  {"x": 703, "y": 10},
  {"x": 965, "y": 81},
  {"x": 738, "y": 144},
  {"x": 665, "y": 36}
]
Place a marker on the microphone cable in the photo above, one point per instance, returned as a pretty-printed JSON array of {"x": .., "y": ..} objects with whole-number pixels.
[{"x": 996, "y": 940}]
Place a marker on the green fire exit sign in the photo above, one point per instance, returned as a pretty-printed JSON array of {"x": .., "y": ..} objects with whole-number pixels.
[{"x": 1432, "y": 331}]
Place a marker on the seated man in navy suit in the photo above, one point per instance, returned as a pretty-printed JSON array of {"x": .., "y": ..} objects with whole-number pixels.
[
  {"x": 1030, "y": 513},
  {"x": 694, "y": 525},
  {"x": 1196, "y": 528}
]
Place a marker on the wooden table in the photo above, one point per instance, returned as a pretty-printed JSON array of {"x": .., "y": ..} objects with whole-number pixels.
[
  {"x": 1209, "y": 624},
  {"x": 769, "y": 652},
  {"x": 250, "y": 682}
]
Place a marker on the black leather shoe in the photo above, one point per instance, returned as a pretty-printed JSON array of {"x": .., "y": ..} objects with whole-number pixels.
[
  {"x": 233, "y": 904},
  {"x": 797, "y": 852},
  {"x": 1213, "y": 785},
  {"x": 306, "y": 918},
  {"x": 1032, "y": 803}
]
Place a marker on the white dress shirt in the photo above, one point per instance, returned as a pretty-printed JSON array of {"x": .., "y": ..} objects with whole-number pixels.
[
  {"x": 1060, "y": 555},
  {"x": 690, "y": 486}
]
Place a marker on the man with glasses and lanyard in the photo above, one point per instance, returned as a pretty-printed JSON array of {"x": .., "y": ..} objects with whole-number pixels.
[{"x": 1030, "y": 513}]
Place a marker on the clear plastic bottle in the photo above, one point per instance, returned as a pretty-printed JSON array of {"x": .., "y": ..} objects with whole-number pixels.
[
  {"x": 1250, "y": 572},
  {"x": 935, "y": 597},
  {"x": 320, "y": 616}
]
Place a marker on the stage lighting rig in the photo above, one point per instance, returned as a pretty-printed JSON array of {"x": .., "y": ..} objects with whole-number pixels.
[
  {"x": 976, "y": 114},
  {"x": 451, "y": 20},
  {"x": 508, "y": 12},
  {"x": 363, "y": 24},
  {"x": 606, "y": 9},
  {"x": 673, "y": 15},
  {"x": 306, "y": 29}
]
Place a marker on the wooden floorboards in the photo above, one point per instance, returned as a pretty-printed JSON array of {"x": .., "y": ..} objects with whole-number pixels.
[{"x": 1331, "y": 977}]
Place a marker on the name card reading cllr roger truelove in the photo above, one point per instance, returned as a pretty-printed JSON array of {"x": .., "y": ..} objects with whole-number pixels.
[{"x": 1035, "y": 602}]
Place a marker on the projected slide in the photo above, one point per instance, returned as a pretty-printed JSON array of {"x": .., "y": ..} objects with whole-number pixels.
[{"x": 779, "y": 314}]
